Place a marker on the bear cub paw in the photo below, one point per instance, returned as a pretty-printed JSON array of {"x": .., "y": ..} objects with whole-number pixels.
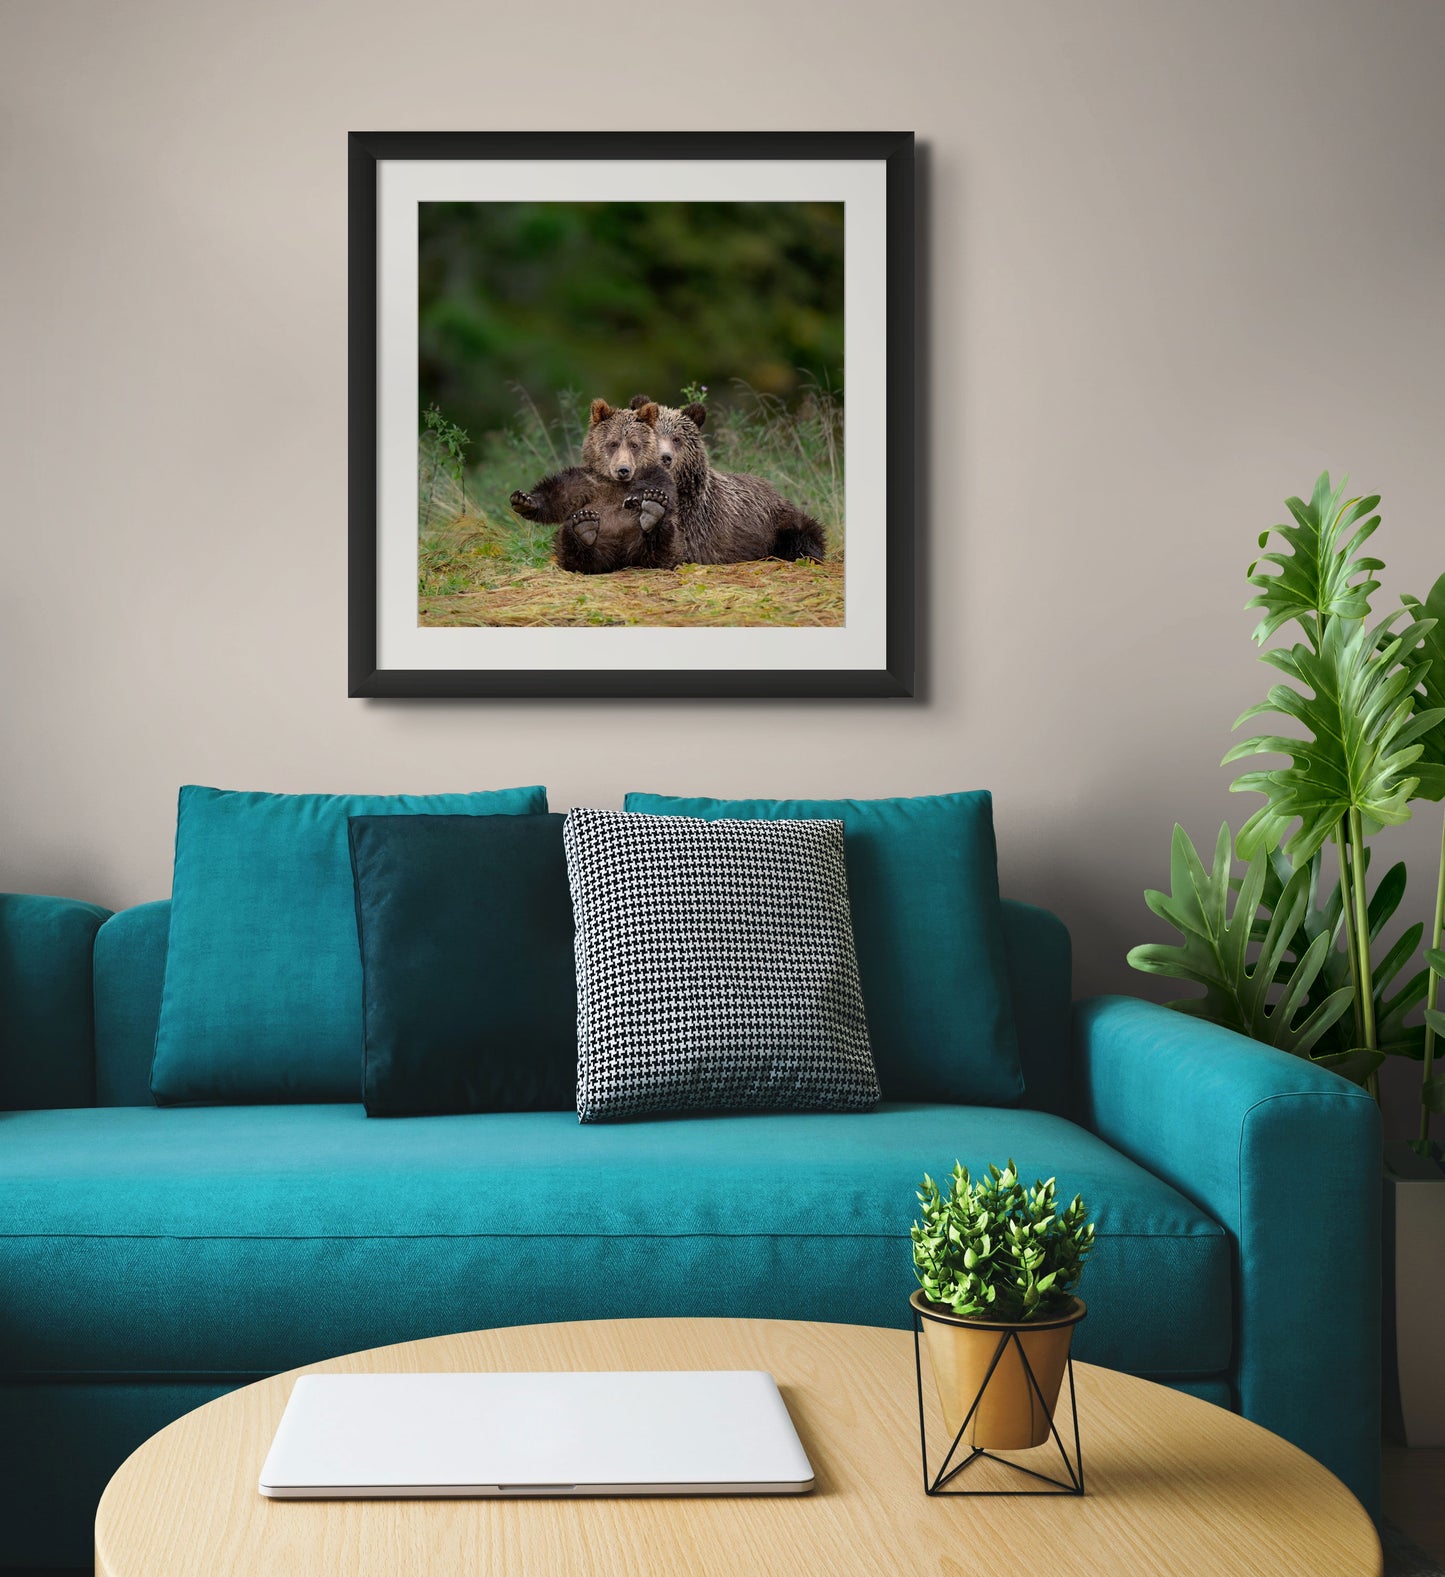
[
  {"x": 584, "y": 524},
  {"x": 649, "y": 504},
  {"x": 525, "y": 505}
]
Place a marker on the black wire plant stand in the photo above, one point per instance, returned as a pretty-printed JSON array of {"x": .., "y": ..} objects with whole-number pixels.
[{"x": 949, "y": 1471}]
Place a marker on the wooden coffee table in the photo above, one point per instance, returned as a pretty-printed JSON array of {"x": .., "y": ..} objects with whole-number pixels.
[{"x": 1174, "y": 1484}]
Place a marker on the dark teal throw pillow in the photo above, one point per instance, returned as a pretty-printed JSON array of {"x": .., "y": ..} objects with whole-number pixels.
[
  {"x": 469, "y": 984},
  {"x": 262, "y": 997},
  {"x": 927, "y": 924}
]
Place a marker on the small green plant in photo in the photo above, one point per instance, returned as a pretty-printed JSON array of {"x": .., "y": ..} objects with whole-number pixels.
[{"x": 445, "y": 444}]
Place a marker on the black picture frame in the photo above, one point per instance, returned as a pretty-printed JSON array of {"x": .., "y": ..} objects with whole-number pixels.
[{"x": 367, "y": 150}]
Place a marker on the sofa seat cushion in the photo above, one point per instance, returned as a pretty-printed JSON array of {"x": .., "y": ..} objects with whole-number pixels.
[{"x": 239, "y": 1240}]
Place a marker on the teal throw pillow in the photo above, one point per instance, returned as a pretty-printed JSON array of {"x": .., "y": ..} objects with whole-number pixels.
[
  {"x": 469, "y": 983},
  {"x": 262, "y": 998},
  {"x": 923, "y": 887}
]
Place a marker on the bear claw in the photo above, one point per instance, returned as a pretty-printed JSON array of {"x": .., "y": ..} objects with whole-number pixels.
[{"x": 524, "y": 504}]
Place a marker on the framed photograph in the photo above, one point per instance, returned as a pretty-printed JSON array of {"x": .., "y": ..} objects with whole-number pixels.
[{"x": 601, "y": 438}]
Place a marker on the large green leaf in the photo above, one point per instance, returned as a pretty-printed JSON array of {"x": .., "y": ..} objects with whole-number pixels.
[
  {"x": 1432, "y": 1091},
  {"x": 1430, "y": 768},
  {"x": 1320, "y": 913},
  {"x": 1356, "y": 1064},
  {"x": 1392, "y": 1034},
  {"x": 1265, "y": 998},
  {"x": 1319, "y": 577},
  {"x": 1434, "y": 1017},
  {"x": 1324, "y": 915},
  {"x": 1355, "y": 699}
]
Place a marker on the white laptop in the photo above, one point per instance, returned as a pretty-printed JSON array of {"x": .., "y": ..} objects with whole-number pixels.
[{"x": 674, "y": 1432}]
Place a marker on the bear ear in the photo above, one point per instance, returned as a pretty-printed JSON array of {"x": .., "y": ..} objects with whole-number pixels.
[
  {"x": 647, "y": 413},
  {"x": 601, "y": 410},
  {"x": 639, "y": 400},
  {"x": 697, "y": 414}
]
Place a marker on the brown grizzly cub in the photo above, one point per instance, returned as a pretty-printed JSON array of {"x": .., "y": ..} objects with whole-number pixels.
[
  {"x": 722, "y": 517},
  {"x": 617, "y": 509}
]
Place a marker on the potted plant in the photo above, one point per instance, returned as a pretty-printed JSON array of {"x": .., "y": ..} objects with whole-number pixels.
[
  {"x": 995, "y": 1259},
  {"x": 1295, "y": 959}
]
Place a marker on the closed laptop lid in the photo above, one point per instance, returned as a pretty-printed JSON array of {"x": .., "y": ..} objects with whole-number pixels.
[{"x": 666, "y": 1432}]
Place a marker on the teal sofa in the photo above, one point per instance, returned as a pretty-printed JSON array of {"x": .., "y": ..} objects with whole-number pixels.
[{"x": 151, "y": 1259}]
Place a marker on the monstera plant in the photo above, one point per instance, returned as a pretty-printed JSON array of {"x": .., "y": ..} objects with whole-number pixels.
[{"x": 1287, "y": 952}]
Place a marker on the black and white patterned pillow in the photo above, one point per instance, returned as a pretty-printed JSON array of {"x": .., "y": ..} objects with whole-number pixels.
[{"x": 715, "y": 966}]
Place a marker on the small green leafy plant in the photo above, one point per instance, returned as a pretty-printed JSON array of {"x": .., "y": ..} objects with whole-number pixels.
[
  {"x": 995, "y": 1250},
  {"x": 448, "y": 446}
]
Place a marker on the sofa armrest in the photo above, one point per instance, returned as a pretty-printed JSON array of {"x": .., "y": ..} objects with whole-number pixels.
[
  {"x": 47, "y": 1008},
  {"x": 1286, "y": 1156}
]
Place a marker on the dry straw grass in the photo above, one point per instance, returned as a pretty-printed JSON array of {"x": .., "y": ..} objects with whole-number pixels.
[{"x": 766, "y": 593}]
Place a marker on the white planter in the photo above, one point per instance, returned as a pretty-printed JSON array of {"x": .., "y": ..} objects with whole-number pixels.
[{"x": 1414, "y": 1297}]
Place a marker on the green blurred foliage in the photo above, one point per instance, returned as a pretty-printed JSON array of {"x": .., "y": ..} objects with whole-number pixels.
[{"x": 622, "y": 298}]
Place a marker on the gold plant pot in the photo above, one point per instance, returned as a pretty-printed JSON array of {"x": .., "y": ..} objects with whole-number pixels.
[{"x": 1011, "y": 1415}]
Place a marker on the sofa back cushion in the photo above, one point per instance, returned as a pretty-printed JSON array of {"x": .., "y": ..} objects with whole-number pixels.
[
  {"x": 469, "y": 987},
  {"x": 923, "y": 888},
  {"x": 130, "y": 978},
  {"x": 262, "y": 997},
  {"x": 46, "y": 1002},
  {"x": 130, "y": 965}
]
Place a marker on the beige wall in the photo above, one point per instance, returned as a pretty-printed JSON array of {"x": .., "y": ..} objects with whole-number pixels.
[{"x": 1179, "y": 257}]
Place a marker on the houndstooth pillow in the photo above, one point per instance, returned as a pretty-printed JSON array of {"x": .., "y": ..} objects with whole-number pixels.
[{"x": 715, "y": 966}]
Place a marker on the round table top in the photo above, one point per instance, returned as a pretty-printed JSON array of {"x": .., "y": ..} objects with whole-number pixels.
[{"x": 1174, "y": 1485}]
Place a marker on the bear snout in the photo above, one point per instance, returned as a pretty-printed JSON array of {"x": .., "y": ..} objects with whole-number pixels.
[{"x": 622, "y": 471}]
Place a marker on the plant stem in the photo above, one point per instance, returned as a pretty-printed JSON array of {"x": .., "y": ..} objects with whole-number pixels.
[
  {"x": 1432, "y": 995},
  {"x": 1365, "y": 985},
  {"x": 1349, "y": 924}
]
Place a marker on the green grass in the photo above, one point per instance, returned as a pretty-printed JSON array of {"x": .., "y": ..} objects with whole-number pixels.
[{"x": 471, "y": 543}]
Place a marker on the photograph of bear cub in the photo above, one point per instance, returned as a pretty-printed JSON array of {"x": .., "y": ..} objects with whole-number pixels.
[{"x": 544, "y": 502}]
